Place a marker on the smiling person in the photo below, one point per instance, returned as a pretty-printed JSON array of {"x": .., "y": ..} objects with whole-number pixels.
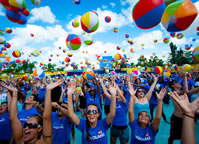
[
  {"x": 93, "y": 130},
  {"x": 37, "y": 129},
  {"x": 142, "y": 131}
]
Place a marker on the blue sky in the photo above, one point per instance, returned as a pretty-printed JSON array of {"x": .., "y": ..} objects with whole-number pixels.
[{"x": 51, "y": 21}]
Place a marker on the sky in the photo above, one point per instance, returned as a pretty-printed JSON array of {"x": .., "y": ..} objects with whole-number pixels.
[{"x": 51, "y": 22}]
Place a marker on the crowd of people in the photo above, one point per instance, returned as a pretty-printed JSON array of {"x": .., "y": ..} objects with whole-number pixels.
[{"x": 45, "y": 111}]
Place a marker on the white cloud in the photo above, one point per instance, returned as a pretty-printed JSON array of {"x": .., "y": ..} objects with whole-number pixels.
[
  {"x": 2, "y": 13},
  {"x": 104, "y": 7},
  {"x": 42, "y": 14},
  {"x": 112, "y": 4}
]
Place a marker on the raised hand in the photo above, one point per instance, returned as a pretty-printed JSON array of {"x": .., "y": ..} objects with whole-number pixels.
[
  {"x": 9, "y": 88},
  {"x": 184, "y": 103},
  {"x": 132, "y": 91},
  {"x": 71, "y": 88},
  {"x": 113, "y": 89},
  {"x": 161, "y": 94},
  {"x": 54, "y": 104},
  {"x": 54, "y": 84}
]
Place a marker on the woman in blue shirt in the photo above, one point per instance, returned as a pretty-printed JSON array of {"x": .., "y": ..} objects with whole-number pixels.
[
  {"x": 142, "y": 131},
  {"x": 93, "y": 130}
]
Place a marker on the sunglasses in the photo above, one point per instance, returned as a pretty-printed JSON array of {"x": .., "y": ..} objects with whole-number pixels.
[
  {"x": 140, "y": 91},
  {"x": 31, "y": 125},
  {"x": 91, "y": 111}
]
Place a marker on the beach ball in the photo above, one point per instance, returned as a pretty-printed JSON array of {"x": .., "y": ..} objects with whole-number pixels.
[
  {"x": 179, "y": 36},
  {"x": 7, "y": 45},
  {"x": 75, "y": 23},
  {"x": 166, "y": 40},
  {"x": 73, "y": 42},
  {"x": 118, "y": 47},
  {"x": 129, "y": 71},
  {"x": 132, "y": 50},
  {"x": 113, "y": 73},
  {"x": 126, "y": 35},
  {"x": 118, "y": 56},
  {"x": 186, "y": 68},
  {"x": 38, "y": 73},
  {"x": 4, "y": 75},
  {"x": 115, "y": 29},
  {"x": 165, "y": 67},
  {"x": 135, "y": 74},
  {"x": 148, "y": 13},
  {"x": 2, "y": 32},
  {"x": 23, "y": 20},
  {"x": 88, "y": 40},
  {"x": 26, "y": 12},
  {"x": 187, "y": 47},
  {"x": 178, "y": 16},
  {"x": 107, "y": 19},
  {"x": 17, "y": 4},
  {"x": 2, "y": 40},
  {"x": 107, "y": 71},
  {"x": 90, "y": 22},
  {"x": 78, "y": 89},
  {"x": 173, "y": 34},
  {"x": 174, "y": 66},
  {"x": 16, "y": 53},
  {"x": 70, "y": 54},
  {"x": 158, "y": 70},
  {"x": 18, "y": 60},
  {"x": 155, "y": 41},
  {"x": 8, "y": 30},
  {"x": 35, "y": 53},
  {"x": 88, "y": 74},
  {"x": 36, "y": 2},
  {"x": 195, "y": 54},
  {"x": 12, "y": 76},
  {"x": 67, "y": 59},
  {"x": 166, "y": 74},
  {"x": 99, "y": 58},
  {"x": 77, "y": 2}
]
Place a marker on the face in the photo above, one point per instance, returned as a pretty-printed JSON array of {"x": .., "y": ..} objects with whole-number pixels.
[
  {"x": 140, "y": 93},
  {"x": 138, "y": 81},
  {"x": 3, "y": 108},
  {"x": 92, "y": 91},
  {"x": 118, "y": 98},
  {"x": 144, "y": 118},
  {"x": 32, "y": 130},
  {"x": 177, "y": 85},
  {"x": 92, "y": 113},
  {"x": 29, "y": 100}
]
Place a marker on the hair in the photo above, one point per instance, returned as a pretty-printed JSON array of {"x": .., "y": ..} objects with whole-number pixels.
[
  {"x": 88, "y": 124},
  {"x": 137, "y": 80},
  {"x": 40, "y": 122},
  {"x": 170, "y": 84},
  {"x": 35, "y": 97}
]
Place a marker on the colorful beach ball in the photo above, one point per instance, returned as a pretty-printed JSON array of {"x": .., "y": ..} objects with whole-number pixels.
[
  {"x": 173, "y": 34},
  {"x": 148, "y": 13},
  {"x": 107, "y": 19},
  {"x": 2, "y": 40},
  {"x": 7, "y": 45},
  {"x": 75, "y": 23},
  {"x": 78, "y": 89},
  {"x": 73, "y": 42},
  {"x": 118, "y": 47},
  {"x": 132, "y": 50},
  {"x": 67, "y": 59},
  {"x": 195, "y": 54},
  {"x": 126, "y": 35},
  {"x": 187, "y": 47},
  {"x": 186, "y": 68},
  {"x": 136, "y": 74},
  {"x": 178, "y": 16},
  {"x": 36, "y": 2},
  {"x": 38, "y": 73},
  {"x": 158, "y": 70},
  {"x": 88, "y": 40},
  {"x": 77, "y": 2},
  {"x": 99, "y": 58},
  {"x": 174, "y": 66},
  {"x": 2, "y": 32},
  {"x": 179, "y": 36},
  {"x": 90, "y": 22},
  {"x": 35, "y": 53},
  {"x": 115, "y": 29},
  {"x": 88, "y": 74},
  {"x": 8, "y": 30},
  {"x": 129, "y": 71},
  {"x": 4, "y": 76},
  {"x": 166, "y": 74},
  {"x": 70, "y": 54},
  {"x": 166, "y": 40},
  {"x": 118, "y": 56},
  {"x": 16, "y": 53}
]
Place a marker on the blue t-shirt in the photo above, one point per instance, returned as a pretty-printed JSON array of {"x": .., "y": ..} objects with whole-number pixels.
[
  {"x": 127, "y": 94},
  {"x": 61, "y": 129},
  {"x": 24, "y": 115},
  {"x": 5, "y": 127},
  {"x": 142, "y": 136},
  {"x": 120, "y": 118},
  {"x": 42, "y": 92},
  {"x": 97, "y": 135},
  {"x": 191, "y": 83}
]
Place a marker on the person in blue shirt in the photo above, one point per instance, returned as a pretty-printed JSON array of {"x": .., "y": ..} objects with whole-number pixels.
[
  {"x": 142, "y": 131},
  {"x": 42, "y": 91},
  {"x": 36, "y": 126},
  {"x": 93, "y": 130}
]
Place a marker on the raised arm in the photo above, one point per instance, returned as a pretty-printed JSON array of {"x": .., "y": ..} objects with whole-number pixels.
[
  {"x": 71, "y": 114},
  {"x": 189, "y": 109},
  {"x": 131, "y": 103},
  {"x": 17, "y": 128},
  {"x": 156, "y": 121},
  {"x": 83, "y": 86},
  {"x": 104, "y": 88},
  {"x": 149, "y": 93},
  {"x": 111, "y": 115},
  {"x": 47, "y": 122}
]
